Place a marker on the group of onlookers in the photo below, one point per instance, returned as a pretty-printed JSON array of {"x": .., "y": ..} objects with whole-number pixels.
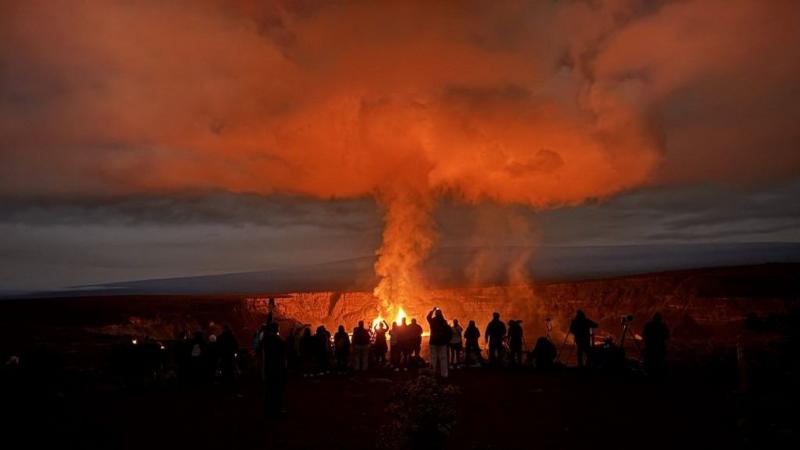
[
  {"x": 398, "y": 346},
  {"x": 202, "y": 358},
  {"x": 450, "y": 346}
]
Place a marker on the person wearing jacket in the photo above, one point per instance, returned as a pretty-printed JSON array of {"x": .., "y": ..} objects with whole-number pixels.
[{"x": 439, "y": 341}]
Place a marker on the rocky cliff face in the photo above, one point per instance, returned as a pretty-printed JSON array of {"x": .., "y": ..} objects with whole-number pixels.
[
  {"x": 704, "y": 308},
  {"x": 696, "y": 303}
]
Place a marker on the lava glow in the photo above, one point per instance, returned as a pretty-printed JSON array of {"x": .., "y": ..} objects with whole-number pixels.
[{"x": 401, "y": 314}]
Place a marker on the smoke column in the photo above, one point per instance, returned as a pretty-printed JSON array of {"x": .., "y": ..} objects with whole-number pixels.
[
  {"x": 542, "y": 104},
  {"x": 408, "y": 237}
]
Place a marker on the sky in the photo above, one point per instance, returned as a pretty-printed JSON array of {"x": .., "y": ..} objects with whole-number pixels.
[{"x": 162, "y": 139}]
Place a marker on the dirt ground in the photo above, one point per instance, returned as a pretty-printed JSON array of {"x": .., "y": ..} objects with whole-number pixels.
[{"x": 496, "y": 409}]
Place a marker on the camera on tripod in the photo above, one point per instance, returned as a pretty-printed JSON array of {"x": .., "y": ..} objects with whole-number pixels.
[{"x": 626, "y": 319}]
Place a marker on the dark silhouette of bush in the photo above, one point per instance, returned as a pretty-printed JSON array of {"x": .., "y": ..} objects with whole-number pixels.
[{"x": 422, "y": 413}]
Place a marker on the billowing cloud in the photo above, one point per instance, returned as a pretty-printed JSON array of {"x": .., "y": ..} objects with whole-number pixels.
[{"x": 537, "y": 103}]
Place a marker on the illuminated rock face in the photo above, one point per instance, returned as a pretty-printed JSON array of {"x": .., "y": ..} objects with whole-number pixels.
[
  {"x": 347, "y": 308},
  {"x": 694, "y": 303}
]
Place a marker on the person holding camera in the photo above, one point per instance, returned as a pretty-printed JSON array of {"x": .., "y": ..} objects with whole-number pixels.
[
  {"x": 440, "y": 338},
  {"x": 581, "y": 328}
]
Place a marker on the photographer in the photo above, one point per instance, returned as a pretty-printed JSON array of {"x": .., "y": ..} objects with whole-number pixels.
[
  {"x": 494, "y": 336},
  {"x": 440, "y": 338},
  {"x": 581, "y": 328}
]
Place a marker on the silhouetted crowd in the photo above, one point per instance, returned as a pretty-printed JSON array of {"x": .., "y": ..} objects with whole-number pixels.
[
  {"x": 200, "y": 358},
  {"x": 450, "y": 347}
]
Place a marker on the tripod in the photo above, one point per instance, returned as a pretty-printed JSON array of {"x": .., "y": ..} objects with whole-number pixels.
[
  {"x": 626, "y": 326},
  {"x": 561, "y": 349},
  {"x": 573, "y": 347}
]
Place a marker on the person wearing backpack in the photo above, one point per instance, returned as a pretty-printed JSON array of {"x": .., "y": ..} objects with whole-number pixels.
[
  {"x": 456, "y": 344},
  {"x": 439, "y": 341}
]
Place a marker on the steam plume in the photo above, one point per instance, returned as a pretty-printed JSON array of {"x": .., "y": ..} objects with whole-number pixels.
[{"x": 536, "y": 103}]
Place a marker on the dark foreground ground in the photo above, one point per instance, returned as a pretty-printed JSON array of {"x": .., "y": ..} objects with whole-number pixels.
[{"x": 496, "y": 409}]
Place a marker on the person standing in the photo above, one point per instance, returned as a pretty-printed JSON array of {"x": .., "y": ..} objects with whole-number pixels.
[
  {"x": 323, "y": 349},
  {"x": 228, "y": 347},
  {"x": 495, "y": 333},
  {"x": 515, "y": 342},
  {"x": 472, "y": 350},
  {"x": 292, "y": 349},
  {"x": 273, "y": 370},
  {"x": 544, "y": 354},
  {"x": 439, "y": 341},
  {"x": 455, "y": 344},
  {"x": 655, "y": 335},
  {"x": 581, "y": 328},
  {"x": 404, "y": 343},
  {"x": 198, "y": 355},
  {"x": 360, "y": 347},
  {"x": 394, "y": 346},
  {"x": 379, "y": 345},
  {"x": 308, "y": 352},
  {"x": 341, "y": 344},
  {"x": 415, "y": 340}
]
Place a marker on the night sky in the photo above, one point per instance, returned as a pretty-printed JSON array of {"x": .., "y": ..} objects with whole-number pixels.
[{"x": 163, "y": 139}]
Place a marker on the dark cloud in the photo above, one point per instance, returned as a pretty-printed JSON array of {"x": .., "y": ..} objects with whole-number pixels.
[
  {"x": 192, "y": 208},
  {"x": 58, "y": 242},
  {"x": 700, "y": 213},
  {"x": 110, "y": 112}
]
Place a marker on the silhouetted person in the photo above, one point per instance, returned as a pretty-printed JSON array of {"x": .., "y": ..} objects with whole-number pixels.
[
  {"x": 273, "y": 370},
  {"x": 341, "y": 345},
  {"x": 404, "y": 342},
  {"x": 212, "y": 356},
  {"x": 198, "y": 366},
  {"x": 581, "y": 329},
  {"x": 183, "y": 355},
  {"x": 439, "y": 340},
  {"x": 472, "y": 349},
  {"x": 292, "y": 349},
  {"x": 655, "y": 335},
  {"x": 379, "y": 346},
  {"x": 227, "y": 347},
  {"x": 415, "y": 339},
  {"x": 455, "y": 343},
  {"x": 323, "y": 348},
  {"x": 515, "y": 342},
  {"x": 394, "y": 346},
  {"x": 360, "y": 347},
  {"x": 308, "y": 352},
  {"x": 544, "y": 354},
  {"x": 495, "y": 332}
]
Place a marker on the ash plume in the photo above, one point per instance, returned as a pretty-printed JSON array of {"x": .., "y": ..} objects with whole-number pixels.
[{"x": 542, "y": 104}]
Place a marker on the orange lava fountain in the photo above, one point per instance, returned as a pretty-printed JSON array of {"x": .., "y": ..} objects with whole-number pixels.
[{"x": 401, "y": 314}]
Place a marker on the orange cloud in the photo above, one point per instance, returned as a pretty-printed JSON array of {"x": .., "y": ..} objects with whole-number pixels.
[{"x": 538, "y": 103}]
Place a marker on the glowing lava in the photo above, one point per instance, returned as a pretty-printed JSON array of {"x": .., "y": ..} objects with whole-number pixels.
[{"x": 401, "y": 314}]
